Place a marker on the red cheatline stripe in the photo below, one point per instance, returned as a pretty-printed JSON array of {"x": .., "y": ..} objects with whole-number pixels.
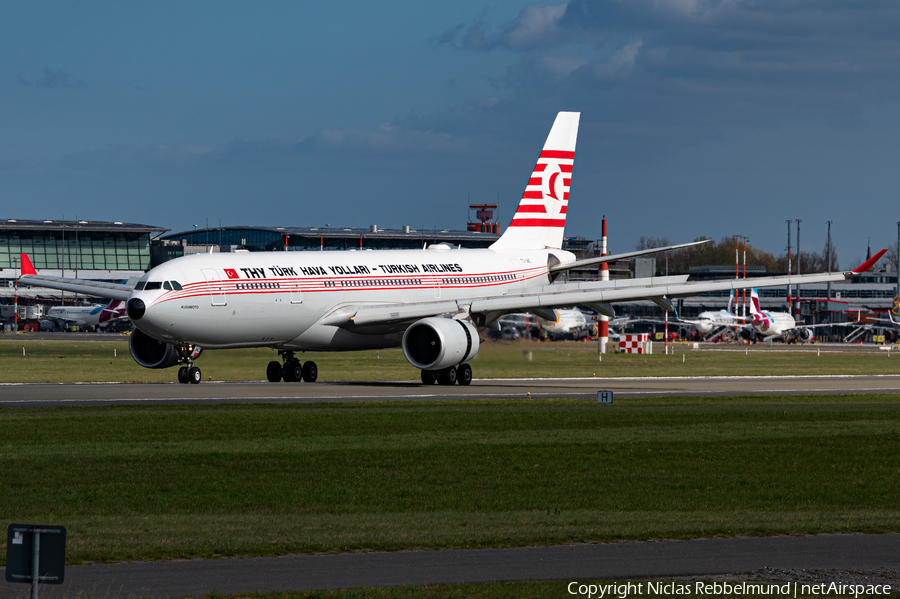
[
  {"x": 535, "y": 181},
  {"x": 533, "y": 195},
  {"x": 557, "y": 154},
  {"x": 532, "y": 208},
  {"x": 537, "y": 222}
]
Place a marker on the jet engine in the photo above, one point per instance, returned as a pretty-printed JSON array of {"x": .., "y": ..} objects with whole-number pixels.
[
  {"x": 805, "y": 335},
  {"x": 747, "y": 334},
  {"x": 150, "y": 353},
  {"x": 435, "y": 343}
]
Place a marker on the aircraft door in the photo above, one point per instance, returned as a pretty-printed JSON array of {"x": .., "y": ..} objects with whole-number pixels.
[
  {"x": 296, "y": 298},
  {"x": 216, "y": 287}
]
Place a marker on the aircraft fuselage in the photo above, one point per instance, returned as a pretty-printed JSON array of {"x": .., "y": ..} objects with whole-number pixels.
[{"x": 277, "y": 299}]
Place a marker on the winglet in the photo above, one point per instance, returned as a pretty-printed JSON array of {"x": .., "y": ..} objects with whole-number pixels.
[
  {"x": 27, "y": 266},
  {"x": 865, "y": 266}
]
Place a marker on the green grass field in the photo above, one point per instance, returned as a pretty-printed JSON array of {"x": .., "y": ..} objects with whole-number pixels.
[
  {"x": 102, "y": 361},
  {"x": 202, "y": 481}
]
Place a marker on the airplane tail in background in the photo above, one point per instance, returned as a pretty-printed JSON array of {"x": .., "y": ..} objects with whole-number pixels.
[
  {"x": 540, "y": 219},
  {"x": 731, "y": 300},
  {"x": 754, "y": 302}
]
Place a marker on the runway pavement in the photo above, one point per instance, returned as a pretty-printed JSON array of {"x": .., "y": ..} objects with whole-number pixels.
[
  {"x": 737, "y": 557},
  {"x": 94, "y": 394}
]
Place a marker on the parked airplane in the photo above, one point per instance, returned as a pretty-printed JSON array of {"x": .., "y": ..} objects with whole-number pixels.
[
  {"x": 430, "y": 302},
  {"x": 83, "y": 316},
  {"x": 772, "y": 325},
  {"x": 710, "y": 321},
  {"x": 569, "y": 321}
]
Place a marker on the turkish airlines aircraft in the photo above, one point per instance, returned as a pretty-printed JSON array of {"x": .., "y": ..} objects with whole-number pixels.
[
  {"x": 85, "y": 315},
  {"x": 430, "y": 302}
]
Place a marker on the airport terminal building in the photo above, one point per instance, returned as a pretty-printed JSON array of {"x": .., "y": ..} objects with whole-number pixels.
[{"x": 108, "y": 251}]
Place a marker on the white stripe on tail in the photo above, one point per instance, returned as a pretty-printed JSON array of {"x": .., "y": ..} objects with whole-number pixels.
[
  {"x": 754, "y": 302},
  {"x": 540, "y": 219}
]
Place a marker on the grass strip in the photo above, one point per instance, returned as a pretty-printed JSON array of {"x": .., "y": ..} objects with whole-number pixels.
[
  {"x": 108, "y": 361},
  {"x": 158, "y": 482}
]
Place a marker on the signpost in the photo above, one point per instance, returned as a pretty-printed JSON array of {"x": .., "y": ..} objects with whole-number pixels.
[{"x": 35, "y": 554}]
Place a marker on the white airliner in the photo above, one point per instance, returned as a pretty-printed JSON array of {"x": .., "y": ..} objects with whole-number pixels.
[
  {"x": 772, "y": 325},
  {"x": 568, "y": 321},
  {"x": 83, "y": 316},
  {"x": 710, "y": 321},
  {"x": 430, "y": 302}
]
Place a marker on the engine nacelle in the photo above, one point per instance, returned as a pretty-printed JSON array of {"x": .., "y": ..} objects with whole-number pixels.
[
  {"x": 747, "y": 334},
  {"x": 150, "y": 353},
  {"x": 435, "y": 343},
  {"x": 805, "y": 335}
]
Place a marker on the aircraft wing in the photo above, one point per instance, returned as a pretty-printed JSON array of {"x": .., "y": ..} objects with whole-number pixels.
[
  {"x": 597, "y": 294},
  {"x": 97, "y": 288}
]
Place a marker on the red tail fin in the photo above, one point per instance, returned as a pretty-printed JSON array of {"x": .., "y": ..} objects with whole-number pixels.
[{"x": 27, "y": 267}]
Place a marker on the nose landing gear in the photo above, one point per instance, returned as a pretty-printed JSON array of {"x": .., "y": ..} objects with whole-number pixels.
[
  {"x": 188, "y": 373},
  {"x": 292, "y": 371}
]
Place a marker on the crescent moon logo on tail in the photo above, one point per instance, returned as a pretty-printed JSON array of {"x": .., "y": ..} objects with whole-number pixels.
[{"x": 552, "y": 186}]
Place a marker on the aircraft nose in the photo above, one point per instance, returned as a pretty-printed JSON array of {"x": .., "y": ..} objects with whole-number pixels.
[{"x": 136, "y": 308}]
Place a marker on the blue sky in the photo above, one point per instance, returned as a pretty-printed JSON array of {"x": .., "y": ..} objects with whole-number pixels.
[{"x": 699, "y": 117}]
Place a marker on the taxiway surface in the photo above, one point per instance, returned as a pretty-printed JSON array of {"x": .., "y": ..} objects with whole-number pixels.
[
  {"x": 95, "y": 394},
  {"x": 739, "y": 557}
]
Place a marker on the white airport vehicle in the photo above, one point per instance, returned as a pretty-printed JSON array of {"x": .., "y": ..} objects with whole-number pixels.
[
  {"x": 83, "y": 316},
  {"x": 430, "y": 302}
]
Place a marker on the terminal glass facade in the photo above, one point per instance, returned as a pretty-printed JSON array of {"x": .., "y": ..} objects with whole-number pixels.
[{"x": 86, "y": 250}]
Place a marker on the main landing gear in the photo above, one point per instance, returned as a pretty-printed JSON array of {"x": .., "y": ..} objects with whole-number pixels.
[
  {"x": 292, "y": 371},
  {"x": 188, "y": 373},
  {"x": 461, "y": 374}
]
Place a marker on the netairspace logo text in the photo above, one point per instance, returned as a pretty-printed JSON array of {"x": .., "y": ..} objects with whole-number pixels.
[{"x": 622, "y": 590}]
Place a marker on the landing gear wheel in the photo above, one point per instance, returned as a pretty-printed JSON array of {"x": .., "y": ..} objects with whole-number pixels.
[
  {"x": 447, "y": 376},
  {"x": 464, "y": 374},
  {"x": 310, "y": 372},
  {"x": 428, "y": 377},
  {"x": 183, "y": 375},
  {"x": 194, "y": 375},
  {"x": 273, "y": 371},
  {"x": 293, "y": 372}
]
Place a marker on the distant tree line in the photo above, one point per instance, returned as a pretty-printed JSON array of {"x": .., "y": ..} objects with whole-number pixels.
[{"x": 722, "y": 253}]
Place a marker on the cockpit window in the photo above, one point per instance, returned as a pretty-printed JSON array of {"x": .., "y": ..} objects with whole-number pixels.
[
  {"x": 140, "y": 285},
  {"x": 166, "y": 285},
  {"x": 176, "y": 285},
  {"x": 151, "y": 285}
]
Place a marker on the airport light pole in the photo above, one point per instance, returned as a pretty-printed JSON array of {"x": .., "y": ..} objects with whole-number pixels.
[
  {"x": 798, "y": 268},
  {"x": 828, "y": 286},
  {"x": 789, "y": 257}
]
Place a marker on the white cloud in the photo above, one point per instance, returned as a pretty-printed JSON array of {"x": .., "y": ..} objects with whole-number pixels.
[{"x": 536, "y": 26}]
